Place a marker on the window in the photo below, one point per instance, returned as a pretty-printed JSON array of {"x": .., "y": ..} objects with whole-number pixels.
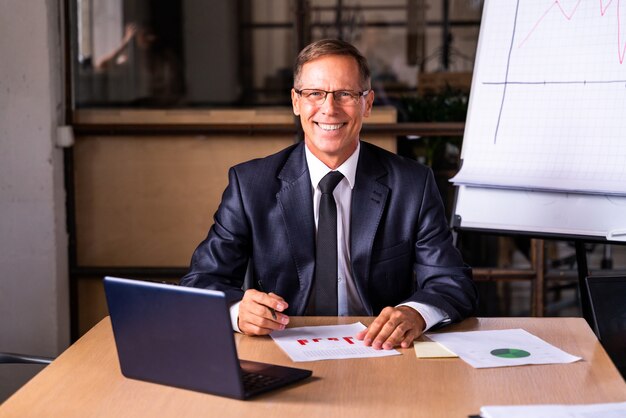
[{"x": 204, "y": 54}]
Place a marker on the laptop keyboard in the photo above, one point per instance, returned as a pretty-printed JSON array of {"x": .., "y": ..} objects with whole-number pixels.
[{"x": 255, "y": 381}]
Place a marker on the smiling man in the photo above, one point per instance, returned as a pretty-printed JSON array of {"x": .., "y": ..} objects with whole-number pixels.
[
  {"x": 331, "y": 103},
  {"x": 334, "y": 225}
]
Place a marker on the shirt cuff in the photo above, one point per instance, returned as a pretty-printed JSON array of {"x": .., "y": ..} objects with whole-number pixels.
[
  {"x": 432, "y": 315},
  {"x": 234, "y": 316}
]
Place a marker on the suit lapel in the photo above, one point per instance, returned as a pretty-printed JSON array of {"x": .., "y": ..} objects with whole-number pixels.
[
  {"x": 369, "y": 198},
  {"x": 296, "y": 203}
]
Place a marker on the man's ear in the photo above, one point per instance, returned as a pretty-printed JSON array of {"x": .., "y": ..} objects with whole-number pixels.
[
  {"x": 369, "y": 103},
  {"x": 295, "y": 102}
]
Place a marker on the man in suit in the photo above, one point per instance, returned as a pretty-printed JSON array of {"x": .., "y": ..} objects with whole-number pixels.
[{"x": 376, "y": 244}]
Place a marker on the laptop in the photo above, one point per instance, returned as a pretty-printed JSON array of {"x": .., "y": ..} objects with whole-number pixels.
[
  {"x": 608, "y": 307},
  {"x": 182, "y": 336}
]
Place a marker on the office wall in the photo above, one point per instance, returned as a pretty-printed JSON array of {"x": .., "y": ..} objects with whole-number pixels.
[{"x": 34, "y": 307}]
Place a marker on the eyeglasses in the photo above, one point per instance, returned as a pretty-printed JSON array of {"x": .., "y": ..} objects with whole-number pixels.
[{"x": 341, "y": 97}]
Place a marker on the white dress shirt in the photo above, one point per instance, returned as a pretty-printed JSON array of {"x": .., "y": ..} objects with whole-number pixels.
[{"x": 348, "y": 299}]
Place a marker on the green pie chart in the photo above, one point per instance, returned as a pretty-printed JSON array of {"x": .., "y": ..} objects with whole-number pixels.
[{"x": 510, "y": 353}]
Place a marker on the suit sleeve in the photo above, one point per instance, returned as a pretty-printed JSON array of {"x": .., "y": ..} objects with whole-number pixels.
[
  {"x": 443, "y": 280},
  {"x": 220, "y": 261}
]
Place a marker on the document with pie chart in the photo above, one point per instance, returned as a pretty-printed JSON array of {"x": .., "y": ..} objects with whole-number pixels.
[{"x": 501, "y": 348}]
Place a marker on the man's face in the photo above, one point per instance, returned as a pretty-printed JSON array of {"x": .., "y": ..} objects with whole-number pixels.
[{"x": 331, "y": 131}]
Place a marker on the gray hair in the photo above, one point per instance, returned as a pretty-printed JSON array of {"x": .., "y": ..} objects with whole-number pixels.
[{"x": 326, "y": 47}]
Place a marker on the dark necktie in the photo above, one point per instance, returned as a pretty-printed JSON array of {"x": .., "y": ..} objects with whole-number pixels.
[{"x": 326, "y": 248}]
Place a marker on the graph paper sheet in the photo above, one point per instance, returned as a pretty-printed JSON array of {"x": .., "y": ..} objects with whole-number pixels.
[
  {"x": 548, "y": 101},
  {"x": 501, "y": 348},
  {"x": 326, "y": 343}
]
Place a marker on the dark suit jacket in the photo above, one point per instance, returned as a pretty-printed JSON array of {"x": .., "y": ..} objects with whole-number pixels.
[{"x": 400, "y": 245}]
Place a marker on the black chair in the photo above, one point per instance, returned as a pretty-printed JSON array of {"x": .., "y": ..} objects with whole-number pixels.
[
  {"x": 607, "y": 295},
  {"x": 13, "y": 358}
]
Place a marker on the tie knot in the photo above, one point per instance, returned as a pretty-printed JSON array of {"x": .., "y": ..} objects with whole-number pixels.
[{"x": 329, "y": 181}]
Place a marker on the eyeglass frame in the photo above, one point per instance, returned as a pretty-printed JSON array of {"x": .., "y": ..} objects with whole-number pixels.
[{"x": 326, "y": 92}]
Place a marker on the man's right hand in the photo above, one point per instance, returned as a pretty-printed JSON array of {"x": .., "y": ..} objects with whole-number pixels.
[{"x": 255, "y": 315}]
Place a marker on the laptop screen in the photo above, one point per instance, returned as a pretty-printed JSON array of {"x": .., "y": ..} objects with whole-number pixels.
[
  {"x": 182, "y": 336},
  {"x": 608, "y": 300}
]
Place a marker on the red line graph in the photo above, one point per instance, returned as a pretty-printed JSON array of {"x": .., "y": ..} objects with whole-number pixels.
[
  {"x": 621, "y": 51},
  {"x": 348, "y": 340}
]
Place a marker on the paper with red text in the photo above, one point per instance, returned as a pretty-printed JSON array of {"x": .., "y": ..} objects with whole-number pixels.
[{"x": 327, "y": 342}]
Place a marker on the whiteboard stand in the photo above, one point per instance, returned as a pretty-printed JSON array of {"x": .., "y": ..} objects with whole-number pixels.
[
  {"x": 583, "y": 272},
  {"x": 537, "y": 273},
  {"x": 543, "y": 151}
]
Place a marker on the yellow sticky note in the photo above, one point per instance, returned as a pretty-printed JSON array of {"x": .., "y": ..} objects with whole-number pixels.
[{"x": 430, "y": 349}]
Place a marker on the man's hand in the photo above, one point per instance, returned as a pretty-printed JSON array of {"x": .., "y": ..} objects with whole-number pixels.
[
  {"x": 393, "y": 327},
  {"x": 255, "y": 313}
]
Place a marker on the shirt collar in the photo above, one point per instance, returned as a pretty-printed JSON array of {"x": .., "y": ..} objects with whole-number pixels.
[{"x": 318, "y": 169}]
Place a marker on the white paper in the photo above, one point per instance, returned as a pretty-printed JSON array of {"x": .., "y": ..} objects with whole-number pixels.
[
  {"x": 501, "y": 348},
  {"x": 326, "y": 343},
  {"x": 604, "y": 410}
]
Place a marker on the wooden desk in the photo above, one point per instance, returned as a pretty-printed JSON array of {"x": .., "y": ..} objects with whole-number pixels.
[{"x": 86, "y": 381}]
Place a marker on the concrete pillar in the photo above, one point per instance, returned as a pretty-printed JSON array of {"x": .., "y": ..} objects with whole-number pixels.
[{"x": 34, "y": 302}]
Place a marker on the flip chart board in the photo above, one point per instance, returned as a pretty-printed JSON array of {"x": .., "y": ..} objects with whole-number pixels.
[{"x": 544, "y": 149}]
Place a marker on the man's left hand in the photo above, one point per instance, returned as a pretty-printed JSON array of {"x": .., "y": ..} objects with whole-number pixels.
[{"x": 394, "y": 327}]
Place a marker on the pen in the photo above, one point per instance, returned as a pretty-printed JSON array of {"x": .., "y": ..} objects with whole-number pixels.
[{"x": 263, "y": 290}]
